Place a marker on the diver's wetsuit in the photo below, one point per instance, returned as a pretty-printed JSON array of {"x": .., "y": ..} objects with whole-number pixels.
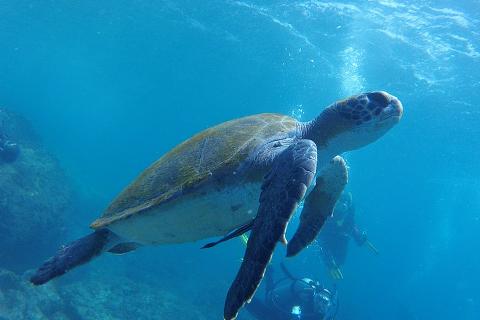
[
  {"x": 335, "y": 236},
  {"x": 292, "y": 299}
]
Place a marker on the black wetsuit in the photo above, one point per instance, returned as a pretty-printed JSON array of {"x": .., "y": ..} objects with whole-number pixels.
[
  {"x": 282, "y": 297},
  {"x": 335, "y": 236}
]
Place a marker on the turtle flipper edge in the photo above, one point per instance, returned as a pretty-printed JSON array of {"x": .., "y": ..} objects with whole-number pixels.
[
  {"x": 235, "y": 233},
  {"x": 319, "y": 204},
  {"x": 282, "y": 190},
  {"x": 72, "y": 255}
]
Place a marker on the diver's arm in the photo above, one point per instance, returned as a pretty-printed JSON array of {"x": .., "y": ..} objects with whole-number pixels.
[
  {"x": 352, "y": 229},
  {"x": 360, "y": 237}
]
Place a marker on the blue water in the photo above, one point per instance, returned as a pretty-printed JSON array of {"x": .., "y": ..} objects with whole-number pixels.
[{"x": 112, "y": 85}]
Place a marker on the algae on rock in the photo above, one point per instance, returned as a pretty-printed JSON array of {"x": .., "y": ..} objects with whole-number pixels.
[
  {"x": 113, "y": 298},
  {"x": 35, "y": 197}
]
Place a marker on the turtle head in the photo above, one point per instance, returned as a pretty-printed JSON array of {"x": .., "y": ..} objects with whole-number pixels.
[{"x": 356, "y": 121}]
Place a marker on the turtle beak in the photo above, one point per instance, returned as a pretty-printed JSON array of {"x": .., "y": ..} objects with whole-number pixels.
[{"x": 392, "y": 109}]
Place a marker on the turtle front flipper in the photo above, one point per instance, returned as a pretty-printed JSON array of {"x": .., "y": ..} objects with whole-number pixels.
[
  {"x": 319, "y": 204},
  {"x": 284, "y": 187}
]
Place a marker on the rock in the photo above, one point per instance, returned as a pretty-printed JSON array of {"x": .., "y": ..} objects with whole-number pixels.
[
  {"x": 94, "y": 297},
  {"x": 8, "y": 280},
  {"x": 35, "y": 197},
  {"x": 121, "y": 298},
  {"x": 19, "y": 301}
]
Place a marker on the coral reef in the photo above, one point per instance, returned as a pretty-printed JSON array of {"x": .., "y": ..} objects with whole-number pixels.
[
  {"x": 18, "y": 301},
  {"x": 114, "y": 297},
  {"x": 34, "y": 198}
]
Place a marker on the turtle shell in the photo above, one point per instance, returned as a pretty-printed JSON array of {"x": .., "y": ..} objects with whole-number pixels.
[{"x": 198, "y": 160}]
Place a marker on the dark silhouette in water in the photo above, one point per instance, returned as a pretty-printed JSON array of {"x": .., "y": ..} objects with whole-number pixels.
[
  {"x": 293, "y": 298},
  {"x": 336, "y": 234}
]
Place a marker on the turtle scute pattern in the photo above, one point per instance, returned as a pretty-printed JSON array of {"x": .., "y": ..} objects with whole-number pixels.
[{"x": 207, "y": 155}]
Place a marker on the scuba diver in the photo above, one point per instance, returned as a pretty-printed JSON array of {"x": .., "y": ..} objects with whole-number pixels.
[
  {"x": 9, "y": 151},
  {"x": 292, "y": 298},
  {"x": 335, "y": 236}
]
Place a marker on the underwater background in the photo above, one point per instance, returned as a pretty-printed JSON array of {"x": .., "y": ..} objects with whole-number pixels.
[{"x": 109, "y": 86}]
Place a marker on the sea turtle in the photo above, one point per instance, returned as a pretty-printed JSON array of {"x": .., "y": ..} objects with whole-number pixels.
[{"x": 246, "y": 174}]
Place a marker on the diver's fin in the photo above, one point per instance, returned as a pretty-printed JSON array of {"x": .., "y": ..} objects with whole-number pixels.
[
  {"x": 319, "y": 204},
  {"x": 71, "y": 256},
  {"x": 244, "y": 239},
  {"x": 284, "y": 187},
  {"x": 235, "y": 233},
  {"x": 124, "y": 247},
  {"x": 336, "y": 273},
  {"x": 372, "y": 247}
]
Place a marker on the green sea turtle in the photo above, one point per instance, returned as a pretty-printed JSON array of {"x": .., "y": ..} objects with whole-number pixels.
[{"x": 246, "y": 174}]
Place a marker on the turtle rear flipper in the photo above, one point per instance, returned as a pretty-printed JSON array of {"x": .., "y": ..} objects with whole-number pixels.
[
  {"x": 284, "y": 187},
  {"x": 319, "y": 204},
  {"x": 72, "y": 255}
]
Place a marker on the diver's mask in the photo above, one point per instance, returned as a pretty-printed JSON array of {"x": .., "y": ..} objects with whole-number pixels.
[
  {"x": 303, "y": 299},
  {"x": 320, "y": 300},
  {"x": 325, "y": 303}
]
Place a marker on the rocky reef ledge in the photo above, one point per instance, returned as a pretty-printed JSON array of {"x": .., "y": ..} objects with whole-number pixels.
[
  {"x": 114, "y": 297},
  {"x": 35, "y": 197}
]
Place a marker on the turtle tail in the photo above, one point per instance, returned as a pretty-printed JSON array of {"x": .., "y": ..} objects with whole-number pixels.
[{"x": 72, "y": 255}]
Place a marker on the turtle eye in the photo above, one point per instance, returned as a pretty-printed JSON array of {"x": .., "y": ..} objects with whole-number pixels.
[{"x": 378, "y": 98}]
